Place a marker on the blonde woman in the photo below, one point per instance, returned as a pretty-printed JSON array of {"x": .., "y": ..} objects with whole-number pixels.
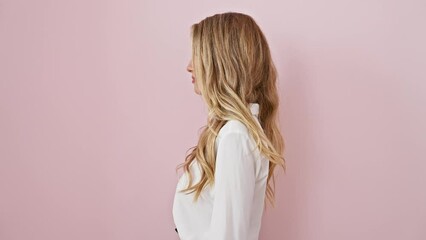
[{"x": 228, "y": 175}]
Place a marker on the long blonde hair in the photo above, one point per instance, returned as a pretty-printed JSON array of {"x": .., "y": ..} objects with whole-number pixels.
[{"x": 233, "y": 67}]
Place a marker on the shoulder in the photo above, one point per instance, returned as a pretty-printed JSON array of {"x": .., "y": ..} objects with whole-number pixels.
[
  {"x": 235, "y": 142},
  {"x": 233, "y": 126},
  {"x": 234, "y": 131}
]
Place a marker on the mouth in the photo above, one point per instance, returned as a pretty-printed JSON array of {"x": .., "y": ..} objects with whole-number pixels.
[{"x": 193, "y": 79}]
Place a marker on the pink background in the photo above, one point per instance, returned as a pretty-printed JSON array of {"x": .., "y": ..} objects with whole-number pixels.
[{"x": 97, "y": 111}]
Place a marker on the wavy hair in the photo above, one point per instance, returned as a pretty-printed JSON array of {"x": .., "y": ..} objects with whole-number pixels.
[{"x": 233, "y": 66}]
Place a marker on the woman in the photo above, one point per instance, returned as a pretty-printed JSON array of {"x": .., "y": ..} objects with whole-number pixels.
[{"x": 228, "y": 174}]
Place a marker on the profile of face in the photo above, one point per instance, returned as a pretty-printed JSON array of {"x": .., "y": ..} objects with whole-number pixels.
[{"x": 190, "y": 69}]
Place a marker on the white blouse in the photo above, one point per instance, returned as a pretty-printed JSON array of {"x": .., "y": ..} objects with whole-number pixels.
[{"x": 232, "y": 209}]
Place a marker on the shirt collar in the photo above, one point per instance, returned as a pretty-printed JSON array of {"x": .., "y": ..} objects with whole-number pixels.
[{"x": 254, "y": 108}]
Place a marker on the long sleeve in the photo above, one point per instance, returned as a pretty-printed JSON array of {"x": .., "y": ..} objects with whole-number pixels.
[{"x": 234, "y": 188}]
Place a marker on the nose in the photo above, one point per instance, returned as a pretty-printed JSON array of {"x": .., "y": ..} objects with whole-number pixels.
[{"x": 189, "y": 67}]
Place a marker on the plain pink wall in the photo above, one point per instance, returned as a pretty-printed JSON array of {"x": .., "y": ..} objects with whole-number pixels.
[{"x": 97, "y": 111}]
